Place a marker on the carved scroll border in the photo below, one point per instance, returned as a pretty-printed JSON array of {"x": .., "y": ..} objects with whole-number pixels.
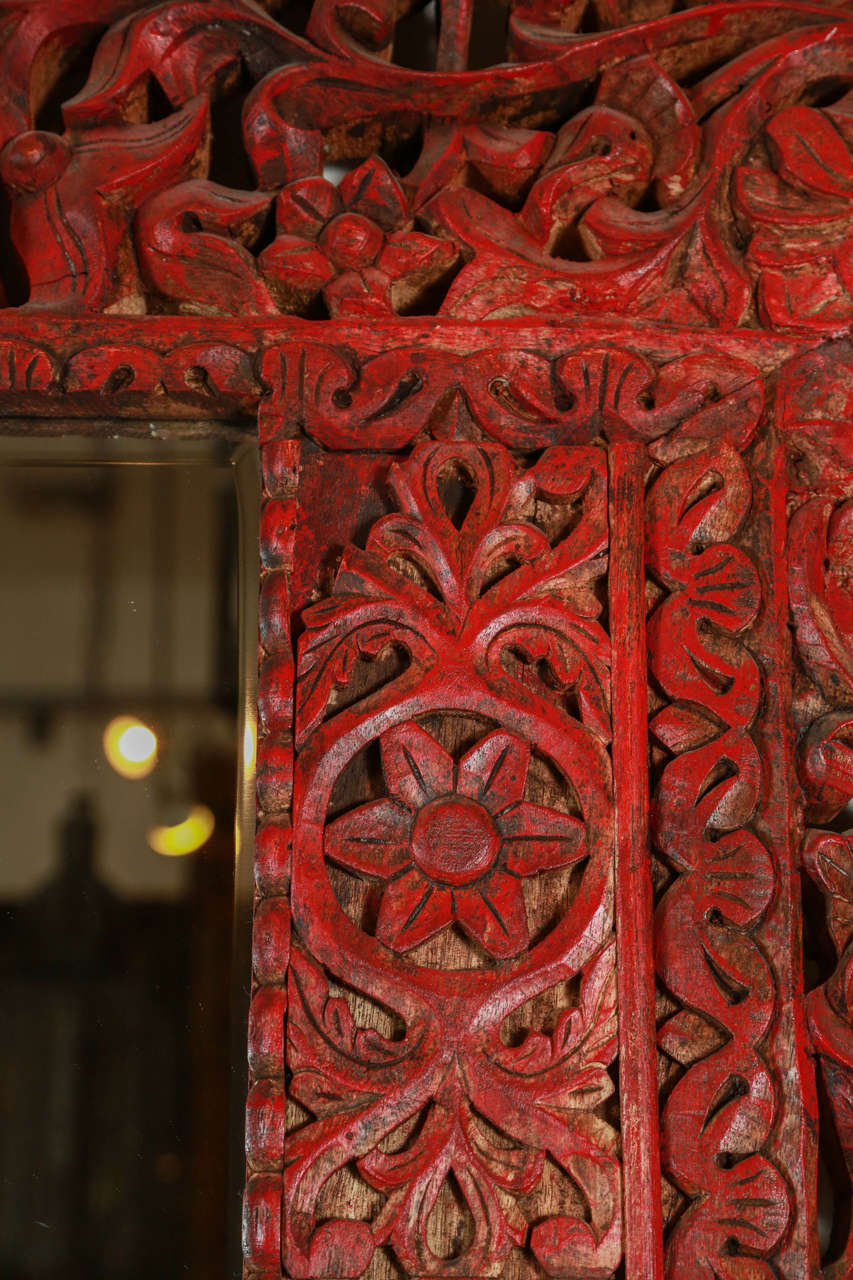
[{"x": 527, "y": 384}]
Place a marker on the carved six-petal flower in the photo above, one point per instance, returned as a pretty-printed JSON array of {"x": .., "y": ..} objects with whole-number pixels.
[{"x": 453, "y": 841}]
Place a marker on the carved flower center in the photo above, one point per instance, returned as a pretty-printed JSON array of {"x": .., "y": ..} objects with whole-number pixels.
[
  {"x": 454, "y": 840},
  {"x": 352, "y": 241}
]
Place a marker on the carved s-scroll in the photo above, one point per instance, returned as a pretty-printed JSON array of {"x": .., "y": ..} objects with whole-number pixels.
[{"x": 719, "y": 1115}]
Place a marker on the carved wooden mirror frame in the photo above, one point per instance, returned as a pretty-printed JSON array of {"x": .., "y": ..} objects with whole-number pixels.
[{"x": 554, "y": 393}]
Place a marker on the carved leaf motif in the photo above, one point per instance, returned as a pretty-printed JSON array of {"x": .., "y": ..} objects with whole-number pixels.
[
  {"x": 190, "y": 46},
  {"x": 494, "y": 583},
  {"x": 695, "y": 396},
  {"x": 810, "y": 152},
  {"x": 709, "y": 286},
  {"x": 752, "y": 1210},
  {"x": 571, "y": 1248},
  {"x": 511, "y": 395},
  {"x": 826, "y": 765},
  {"x": 512, "y": 1168},
  {"x": 820, "y": 574},
  {"x": 193, "y": 243},
  {"x": 507, "y": 160},
  {"x": 73, "y": 201},
  {"x": 829, "y": 861},
  {"x": 312, "y": 1010},
  {"x": 29, "y": 31},
  {"x": 341, "y": 632},
  {"x": 576, "y": 659},
  {"x": 684, "y": 726},
  {"x": 568, "y": 1068},
  {"x": 336, "y": 26},
  {"x": 697, "y": 501},
  {"x": 413, "y": 1178}
]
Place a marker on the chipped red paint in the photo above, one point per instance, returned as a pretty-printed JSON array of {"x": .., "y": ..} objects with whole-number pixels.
[{"x": 554, "y": 391}]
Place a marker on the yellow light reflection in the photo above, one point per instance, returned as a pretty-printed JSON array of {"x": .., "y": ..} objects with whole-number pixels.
[
  {"x": 130, "y": 747},
  {"x": 249, "y": 746},
  {"x": 185, "y": 837}
]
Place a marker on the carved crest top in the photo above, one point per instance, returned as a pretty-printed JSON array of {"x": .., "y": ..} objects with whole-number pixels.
[{"x": 687, "y": 166}]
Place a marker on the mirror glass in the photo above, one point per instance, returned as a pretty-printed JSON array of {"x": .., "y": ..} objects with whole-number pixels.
[{"x": 126, "y": 754}]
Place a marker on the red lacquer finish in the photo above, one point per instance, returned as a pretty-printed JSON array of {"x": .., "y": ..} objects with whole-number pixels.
[
  {"x": 718, "y": 1118},
  {"x": 493, "y": 613},
  {"x": 635, "y": 976},
  {"x": 554, "y": 385}
]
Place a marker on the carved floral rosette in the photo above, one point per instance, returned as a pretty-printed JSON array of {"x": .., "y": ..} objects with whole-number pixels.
[{"x": 449, "y": 844}]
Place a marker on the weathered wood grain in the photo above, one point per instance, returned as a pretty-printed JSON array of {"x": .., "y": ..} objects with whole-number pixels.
[{"x": 554, "y": 386}]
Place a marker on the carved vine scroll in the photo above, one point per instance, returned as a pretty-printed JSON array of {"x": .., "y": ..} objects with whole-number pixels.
[
  {"x": 720, "y": 1113},
  {"x": 689, "y": 164}
]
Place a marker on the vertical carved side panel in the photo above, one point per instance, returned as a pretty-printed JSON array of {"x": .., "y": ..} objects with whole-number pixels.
[
  {"x": 452, "y": 990},
  {"x": 820, "y": 562},
  {"x": 738, "y": 1104}
]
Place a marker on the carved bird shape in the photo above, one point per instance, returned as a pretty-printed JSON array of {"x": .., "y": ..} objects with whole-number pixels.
[{"x": 73, "y": 200}]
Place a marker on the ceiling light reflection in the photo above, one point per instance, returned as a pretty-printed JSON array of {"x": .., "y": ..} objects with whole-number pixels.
[
  {"x": 184, "y": 837},
  {"x": 130, "y": 747}
]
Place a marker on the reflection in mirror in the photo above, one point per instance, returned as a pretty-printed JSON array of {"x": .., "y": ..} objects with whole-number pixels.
[{"x": 126, "y": 652}]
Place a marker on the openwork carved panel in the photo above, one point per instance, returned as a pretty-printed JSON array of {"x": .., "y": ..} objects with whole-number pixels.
[
  {"x": 543, "y": 311},
  {"x": 690, "y": 165},
  {"x": 453, "y": 859}
]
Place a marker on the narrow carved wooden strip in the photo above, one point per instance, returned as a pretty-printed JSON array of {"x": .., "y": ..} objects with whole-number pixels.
[
  {"x": 711, "y": 950},
  {"x": 820, "y": 565},
  {"x": 635, "y": 973},
  {"x": 265, "y": 1111}
]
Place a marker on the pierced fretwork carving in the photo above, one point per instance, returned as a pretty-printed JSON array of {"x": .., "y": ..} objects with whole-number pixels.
[
  {"x": 543, "y": 308},
  {"x": 452, "y": 858},
  {"x": 693, "y": 166}
]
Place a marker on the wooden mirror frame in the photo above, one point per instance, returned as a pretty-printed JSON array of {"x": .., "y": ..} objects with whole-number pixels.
[{"x": 554, "y": 397}]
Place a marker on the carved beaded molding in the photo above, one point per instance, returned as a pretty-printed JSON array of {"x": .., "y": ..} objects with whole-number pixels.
[{"x": 548, "y": 341}]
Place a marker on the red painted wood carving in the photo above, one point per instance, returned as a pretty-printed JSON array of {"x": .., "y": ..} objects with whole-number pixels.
[
  {"x": 544, "y": 310},
  {"x": 720, "y": 1113},
  {"x": 459, "y": 899},
  {"x": 820, "y": 572},
  {"x": 690, "y": 166}
]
